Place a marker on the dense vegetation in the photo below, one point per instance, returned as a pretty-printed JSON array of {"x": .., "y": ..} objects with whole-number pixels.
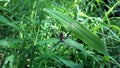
[{"x": 29, "y": 32}]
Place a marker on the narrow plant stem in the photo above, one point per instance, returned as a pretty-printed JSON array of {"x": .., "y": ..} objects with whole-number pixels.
[
  {"x": 36, "y": 38},
  {"x": 113, "y": 47}
]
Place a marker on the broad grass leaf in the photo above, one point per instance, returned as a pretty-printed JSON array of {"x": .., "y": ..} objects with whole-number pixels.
[
  {"x": 47, "y": 41},
  {"x": 73, "y": 43},
  {"x": 71, "y": 64},
  {"x": 46, "y": 55},
  {"x": 79, "y": 30},
  {"x": 7, "y": 22},
  {"x": 9, "y": 43}
]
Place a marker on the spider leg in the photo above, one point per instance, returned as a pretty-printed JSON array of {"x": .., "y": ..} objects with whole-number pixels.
[{"x": 54, "y": 46}]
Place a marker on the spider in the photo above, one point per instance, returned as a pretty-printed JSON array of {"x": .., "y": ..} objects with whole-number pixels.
[{"x": 62, "y": 37}]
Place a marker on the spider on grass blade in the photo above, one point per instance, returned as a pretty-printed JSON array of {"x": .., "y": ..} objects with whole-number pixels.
[{"x": 62, "y": 37}]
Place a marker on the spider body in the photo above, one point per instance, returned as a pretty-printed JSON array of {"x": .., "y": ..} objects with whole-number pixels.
[{"x": 61, "y": 36}]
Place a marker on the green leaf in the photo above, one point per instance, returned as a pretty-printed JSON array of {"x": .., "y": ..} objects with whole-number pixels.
[
  {"x": 46, "y": 55},
  {"x": 76, "y": 45},
  {"x": 9, "y": 43},
  {"x": 91, "y": 54},
  {"x": 71, "y": 64},
  {"x": 6, "y": 21},
  {"x": 79, "y": 30},
  {"x": 51, "y": 40}
]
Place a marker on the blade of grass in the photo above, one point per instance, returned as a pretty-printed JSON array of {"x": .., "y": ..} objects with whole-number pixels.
[
  {"x": 51, "y": 40},
  {"x": 9, "y": 43},
  {"x": 72, "y": 43},
  {"x": 6, "y": 21},
  {"x": 70, "y": 63},
  {"x": 110, "y": 10}
]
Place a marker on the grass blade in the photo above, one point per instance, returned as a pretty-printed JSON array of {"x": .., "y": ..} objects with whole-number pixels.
[
  {"x": 70, "y": 63},
  {"x": 76, "y": 45},
  {"x": 6, "y": 21}
]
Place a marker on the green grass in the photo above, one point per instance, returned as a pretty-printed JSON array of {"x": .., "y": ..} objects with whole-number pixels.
[{"x": 29, "y": 30}]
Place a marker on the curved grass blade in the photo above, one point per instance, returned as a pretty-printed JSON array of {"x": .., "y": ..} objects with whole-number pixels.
[
  {"x": 9, "y": 43},
  {"x": 6, "y": 21},
  {"x": 71, "y": 64},
  {"x": 76, "y": 45},
  {"x": 51, "y": 40}
]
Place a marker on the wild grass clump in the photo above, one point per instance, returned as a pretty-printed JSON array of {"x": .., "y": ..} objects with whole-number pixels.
[{"x": 89, "y": 34}]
